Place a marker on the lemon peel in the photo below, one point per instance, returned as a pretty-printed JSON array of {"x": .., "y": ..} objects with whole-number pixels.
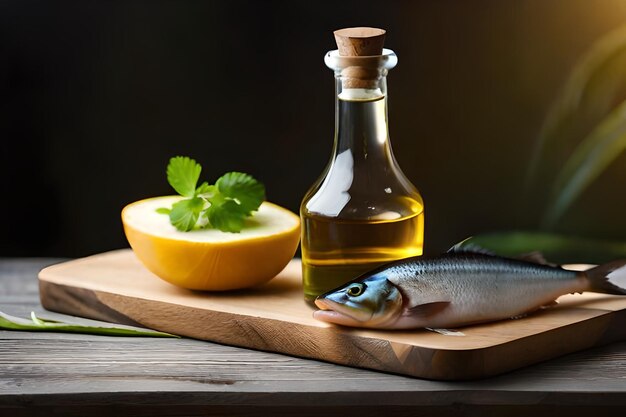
[{"x": 209, "y": 259}]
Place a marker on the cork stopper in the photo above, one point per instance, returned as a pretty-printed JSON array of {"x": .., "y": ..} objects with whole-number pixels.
[{"x": 360, "y": 42}]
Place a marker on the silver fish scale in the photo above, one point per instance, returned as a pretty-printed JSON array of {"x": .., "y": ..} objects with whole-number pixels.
[
  {"x": 464, "y": 264},
  {"x": 480, "y": 287}
]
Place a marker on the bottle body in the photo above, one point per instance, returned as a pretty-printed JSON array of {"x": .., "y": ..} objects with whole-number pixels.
[
  {"x": 336, "y": 250},
  {"x": 362, "y": 212}
]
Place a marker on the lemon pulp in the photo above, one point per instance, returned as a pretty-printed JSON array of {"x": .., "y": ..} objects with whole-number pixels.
[{"x": 208, "y": 259}]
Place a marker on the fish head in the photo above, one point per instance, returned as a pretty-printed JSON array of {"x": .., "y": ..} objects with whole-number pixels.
[{"x": 370, "y": 302}]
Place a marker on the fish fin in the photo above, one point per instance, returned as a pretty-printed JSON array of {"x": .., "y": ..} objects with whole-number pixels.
[
  {"x": 446, "y": 332},
  {"x": 535, "y": 257},
  {"x": 471, "y": 247},
  {"x": 551, "y": 304},
  {"x": 608, "y": 278},
  {"x": 425, "y": 310}
]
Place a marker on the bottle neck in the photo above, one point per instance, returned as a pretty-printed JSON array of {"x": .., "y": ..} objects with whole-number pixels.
[{"x": 361, "y": 122}]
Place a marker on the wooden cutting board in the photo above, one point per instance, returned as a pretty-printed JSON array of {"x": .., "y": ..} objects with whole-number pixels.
[{"x": 115, "y": 287}]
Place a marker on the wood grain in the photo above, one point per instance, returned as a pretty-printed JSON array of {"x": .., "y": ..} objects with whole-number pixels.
[
  {"x": 76, "y": 375},
  {"x": 115, "y": 287}
]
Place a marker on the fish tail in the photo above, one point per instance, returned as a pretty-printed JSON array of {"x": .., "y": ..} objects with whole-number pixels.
[{"x": 608, "y": 278}]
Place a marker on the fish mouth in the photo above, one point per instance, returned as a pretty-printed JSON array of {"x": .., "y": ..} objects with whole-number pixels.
[
  {"x": 324, "y": 304},
  {"x": 329, "y": 314}
]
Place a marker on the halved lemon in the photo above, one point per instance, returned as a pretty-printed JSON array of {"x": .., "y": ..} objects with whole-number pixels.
[{"x": 209, "y": 259}]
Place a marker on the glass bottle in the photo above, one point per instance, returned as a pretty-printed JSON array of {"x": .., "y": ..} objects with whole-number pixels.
[{"x": 362, "y": 212}]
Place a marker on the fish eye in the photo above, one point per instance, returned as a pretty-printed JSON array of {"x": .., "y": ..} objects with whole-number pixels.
[{"x": 356, "y": 289}]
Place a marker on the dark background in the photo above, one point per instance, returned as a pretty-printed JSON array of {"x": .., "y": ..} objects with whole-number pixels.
[{"x": 96, "y": 96}]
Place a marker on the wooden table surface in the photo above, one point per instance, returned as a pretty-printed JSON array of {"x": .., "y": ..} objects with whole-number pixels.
[{"x": 75, "y": 375}]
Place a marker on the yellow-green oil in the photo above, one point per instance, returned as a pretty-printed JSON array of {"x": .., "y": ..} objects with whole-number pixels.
[
  {"x": 335, "y": 251},
  {"x": 362, "y": 212}
]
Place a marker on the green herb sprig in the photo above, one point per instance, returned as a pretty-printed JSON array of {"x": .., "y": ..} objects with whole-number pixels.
[
  {"x": 35, "y": 323},
  {"x": 223, "y": 206}
]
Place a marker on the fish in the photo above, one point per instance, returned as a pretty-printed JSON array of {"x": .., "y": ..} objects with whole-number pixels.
[{"x": 458, "y": 289}]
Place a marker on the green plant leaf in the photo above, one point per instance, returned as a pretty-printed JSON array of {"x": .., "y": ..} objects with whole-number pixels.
[
  {"x": 596, "y": 83},
  {"x": 205, "y": 190},
  {"x": 223, "y": 206},
  {"x": 590, "y": 158},
  {"x": 183, "y": 174},
  {"x": 560, "y": 249},
  {"x": 227, "y": 216},
  {"x": 185, "y": 213},
  {"x": 37, "y": 324},
  {"x": 248, "y": 192}
]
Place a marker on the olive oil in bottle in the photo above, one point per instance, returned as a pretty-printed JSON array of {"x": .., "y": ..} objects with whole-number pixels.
[{"x": 363, "y": 211}]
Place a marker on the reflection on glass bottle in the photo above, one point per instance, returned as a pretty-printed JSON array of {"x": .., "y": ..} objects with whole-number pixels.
[{"x": 363, "y": 211}]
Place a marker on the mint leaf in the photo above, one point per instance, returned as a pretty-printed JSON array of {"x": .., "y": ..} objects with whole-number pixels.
[
  {"x": 185, "y": 213},
  {"x": 163, "y": 210},
  {"x": 248, "y": 192},
  {"x": 227, "y": 216},
  {"x": 182, "y": 174}
]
